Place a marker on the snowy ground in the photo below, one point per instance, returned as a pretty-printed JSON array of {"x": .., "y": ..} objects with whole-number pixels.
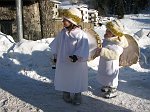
[{"x": 26, "y": 77}]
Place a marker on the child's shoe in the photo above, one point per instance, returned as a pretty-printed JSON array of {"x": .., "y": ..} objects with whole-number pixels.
[
  {"x": 67, "y": 97},
  {"x": 105, "y": 88},
  {"x": 111, "y": 93},
  {"x": 77, "y": 99}
]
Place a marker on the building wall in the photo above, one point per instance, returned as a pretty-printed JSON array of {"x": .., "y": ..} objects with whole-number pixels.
[
  {"x": 31, "y": 21},
  {"x": 84, "y": 14},
  {"x": 32, "y": 27},
  {"x": 93, "y": 16},
  {"x": 55, "y": 10}
]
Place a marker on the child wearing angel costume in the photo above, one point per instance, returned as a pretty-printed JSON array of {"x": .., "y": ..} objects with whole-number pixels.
[
  {"x": 71, "y": 51},
  {"x": 112, "y": 47}
]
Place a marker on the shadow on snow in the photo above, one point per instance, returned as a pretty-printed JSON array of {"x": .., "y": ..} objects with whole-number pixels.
[
  {"x": 40, "y": 94},
  {"x": 130, "y": 82}
]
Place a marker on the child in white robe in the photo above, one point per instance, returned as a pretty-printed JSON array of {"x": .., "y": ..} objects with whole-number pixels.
[
  {"x": 112, "y": 47},
  {"x": 71, "y": 52}
]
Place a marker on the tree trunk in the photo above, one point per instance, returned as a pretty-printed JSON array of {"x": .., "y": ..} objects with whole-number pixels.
[{"x": 46, "y": 21}]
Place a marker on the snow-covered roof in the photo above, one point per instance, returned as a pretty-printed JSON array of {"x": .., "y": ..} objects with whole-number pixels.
[
  {"x": 55, "y": 1},
  {"x": 73, "y": 5},
  {"x": 65, "y": 3},
  {"x": 92, "y": 10},
  {"x": 68, "y": 6}
]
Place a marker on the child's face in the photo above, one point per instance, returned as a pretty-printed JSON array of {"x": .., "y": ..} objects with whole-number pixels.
[
  {"x": 66, "y": 23},
  {"x": 108, "y": 34}
]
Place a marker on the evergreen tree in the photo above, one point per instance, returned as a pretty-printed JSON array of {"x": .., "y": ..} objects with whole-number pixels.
[{"x": 119, "y": 9}]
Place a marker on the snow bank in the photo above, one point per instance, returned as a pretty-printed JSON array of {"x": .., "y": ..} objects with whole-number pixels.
[
  {"x": 6, "y": 42},
  {"x": 24, "y": 55}
]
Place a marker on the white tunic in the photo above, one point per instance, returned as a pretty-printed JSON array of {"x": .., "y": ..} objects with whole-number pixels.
[
  {"x": 69, "y": 76},
  {"x": 108, "y": 69}
]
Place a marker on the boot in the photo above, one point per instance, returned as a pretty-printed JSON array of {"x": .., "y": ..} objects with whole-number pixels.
[
  {"x": 77, "y": 99},
  {"x": 67, "y": 97}
]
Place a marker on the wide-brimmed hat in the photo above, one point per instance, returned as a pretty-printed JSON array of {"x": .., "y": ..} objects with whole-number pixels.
[
  {"x": 115, "y": 27},
  {"x": 73, "y": 15}
]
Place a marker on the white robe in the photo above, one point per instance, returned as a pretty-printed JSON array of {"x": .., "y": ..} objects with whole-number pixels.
[
  {"x": 69, "y": 76},
  {"x": 108, "y": 69}
]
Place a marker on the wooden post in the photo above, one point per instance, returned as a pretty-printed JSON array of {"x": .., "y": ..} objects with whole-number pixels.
[{"x": 19, "y": 19}]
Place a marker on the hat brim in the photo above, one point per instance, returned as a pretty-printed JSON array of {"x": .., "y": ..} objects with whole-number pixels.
[{"x": 73, "y": 22}]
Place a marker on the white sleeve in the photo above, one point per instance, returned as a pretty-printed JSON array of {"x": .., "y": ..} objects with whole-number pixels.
[{"x": 112, "y": 53}]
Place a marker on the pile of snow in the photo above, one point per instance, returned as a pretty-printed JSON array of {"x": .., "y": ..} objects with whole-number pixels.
[
  {"x": 25, "y": 57},
  {"x": 6, "y": 42},
  {"x": 143, "y": 32},
  {"x": 134, "y": 23}
]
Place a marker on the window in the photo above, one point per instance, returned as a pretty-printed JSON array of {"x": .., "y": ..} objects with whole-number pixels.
[
  {"x": 56, "y": 6},
  {"x": 6, "y": 26}
]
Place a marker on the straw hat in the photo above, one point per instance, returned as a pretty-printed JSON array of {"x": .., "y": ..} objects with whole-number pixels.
[
  {"x": 115, "y": 27},
  {"x": 73, "y": 15}
]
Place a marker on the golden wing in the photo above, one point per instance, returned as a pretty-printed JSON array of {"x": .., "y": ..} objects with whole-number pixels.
[
  {"x": 94, "y": 42},
  {"x": 130, "y": 54}
]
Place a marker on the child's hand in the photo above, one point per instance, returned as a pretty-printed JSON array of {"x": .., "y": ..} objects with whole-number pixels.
[
  {"x": 97, "y": 52},
  {"x": 73, "y": 58}
]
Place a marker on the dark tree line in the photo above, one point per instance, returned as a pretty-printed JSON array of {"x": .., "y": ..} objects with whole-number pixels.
[{"x": 118, "y": 7}]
